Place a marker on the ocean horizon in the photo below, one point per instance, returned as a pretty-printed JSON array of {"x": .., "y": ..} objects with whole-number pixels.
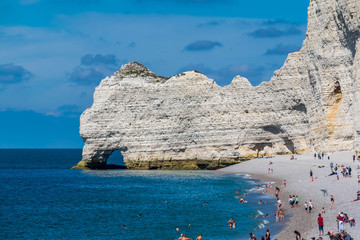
[{"x": 42, "y": 198}]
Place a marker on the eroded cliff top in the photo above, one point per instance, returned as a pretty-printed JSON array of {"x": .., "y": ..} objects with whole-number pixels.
[{"x": 137, "y": 70}]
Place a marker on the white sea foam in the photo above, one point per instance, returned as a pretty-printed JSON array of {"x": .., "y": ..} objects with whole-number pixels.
[
  {"x": 260, "y": 213},
  {"x": 255, "y": 189},
  {"x": 268, "y": 196},
  {"x": 247, "y": 176},
  {"x": 261, "y": 225},
  {"x": 252, "y": 190}
]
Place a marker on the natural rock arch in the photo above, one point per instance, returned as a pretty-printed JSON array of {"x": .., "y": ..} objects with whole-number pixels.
[{"x": 161, "y": 123}]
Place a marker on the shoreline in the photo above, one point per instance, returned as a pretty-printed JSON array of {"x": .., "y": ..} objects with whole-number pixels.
[
  {"x": 261, "y": 179},
  {"x": 296, "y": 173},
  {"x": 273, "y": 224}
]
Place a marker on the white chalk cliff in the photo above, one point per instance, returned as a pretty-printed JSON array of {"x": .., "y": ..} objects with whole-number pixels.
[{"x": 311, "y": 104}]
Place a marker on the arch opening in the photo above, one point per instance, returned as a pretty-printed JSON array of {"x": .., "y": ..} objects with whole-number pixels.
[{"x": 115, "y": 161}]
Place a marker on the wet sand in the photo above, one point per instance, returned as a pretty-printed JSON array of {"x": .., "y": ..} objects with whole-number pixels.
[{"x": 297, "y": 175}]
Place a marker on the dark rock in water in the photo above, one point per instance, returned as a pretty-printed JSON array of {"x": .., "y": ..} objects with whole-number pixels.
[{"x": 181, "y": 164}]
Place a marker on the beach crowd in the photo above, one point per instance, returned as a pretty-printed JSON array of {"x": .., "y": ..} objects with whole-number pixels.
[{"x": 344, "y": 221}]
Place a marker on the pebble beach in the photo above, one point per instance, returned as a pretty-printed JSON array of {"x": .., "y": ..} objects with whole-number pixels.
[{"x": 296, "y": 172}]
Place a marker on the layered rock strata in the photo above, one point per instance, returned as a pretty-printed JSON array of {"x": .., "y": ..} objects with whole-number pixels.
[{"x": 311, "y": 104}]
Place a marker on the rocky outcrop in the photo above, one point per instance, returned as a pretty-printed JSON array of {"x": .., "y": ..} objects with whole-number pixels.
[{"x": 311, "y": 104}]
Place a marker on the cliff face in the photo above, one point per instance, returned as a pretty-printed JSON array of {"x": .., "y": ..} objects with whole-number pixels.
[{"x": 187, "y": 121}]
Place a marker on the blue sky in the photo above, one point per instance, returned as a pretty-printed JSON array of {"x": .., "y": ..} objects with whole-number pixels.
[{"x": 55, "y": 52}]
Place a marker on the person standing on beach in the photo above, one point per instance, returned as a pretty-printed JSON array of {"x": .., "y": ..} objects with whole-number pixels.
[
  {"x": 332, "y": 199},
  {"x": 277, "y": 216},
  {"x": 282, "y": 215},
  {"x": 279, "y": 203},
  {"x": 350, "y": 171},
  {"x": 354, "y": 158},
  {"x": 311, "y": 174},
  {"x": 267, "y": 235},
  {"x": 341, "y": 221},
  {"x": 291, "y": 201},
  {"x": 306, "y": 207},
  {"x": 321, "y": 225},
  {"x": 284, "y": 182},
  {"x": 310, "y": 206},
  {"x": 297, "y": 235},
  {"x": 296, "y": 200},
  {"x": 277, "y": 191}
]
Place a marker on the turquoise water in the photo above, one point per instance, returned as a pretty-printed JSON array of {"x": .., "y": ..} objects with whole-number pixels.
[{"x": 41, "y": 198}]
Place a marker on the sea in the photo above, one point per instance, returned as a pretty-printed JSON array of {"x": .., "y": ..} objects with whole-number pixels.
[{"x": 42, "y": 198}]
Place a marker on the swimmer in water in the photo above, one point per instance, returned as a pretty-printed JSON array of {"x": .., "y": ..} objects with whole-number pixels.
[
  {"x": 230, "y": 222},
  {"x": 242, "y": 200},
  {"x": 183, "y": 237}
]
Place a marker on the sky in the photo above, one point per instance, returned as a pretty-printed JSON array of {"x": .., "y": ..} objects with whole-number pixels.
[{"x": 53, "y": 53}]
